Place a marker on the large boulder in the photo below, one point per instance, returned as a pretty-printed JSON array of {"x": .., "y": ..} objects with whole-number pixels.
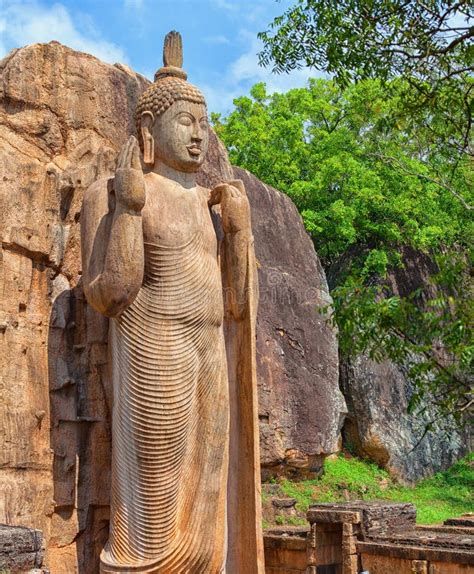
[
  {"x": 300, "y": 406},
  {"x": 378, "y": 425},
  {"x": 63, "y": 117}
]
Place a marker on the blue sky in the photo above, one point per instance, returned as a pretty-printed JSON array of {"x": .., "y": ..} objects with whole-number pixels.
[{"x": 220, "y": 37}]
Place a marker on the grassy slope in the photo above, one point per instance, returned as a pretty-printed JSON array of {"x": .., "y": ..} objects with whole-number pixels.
[{"x": 445, "y": 495}]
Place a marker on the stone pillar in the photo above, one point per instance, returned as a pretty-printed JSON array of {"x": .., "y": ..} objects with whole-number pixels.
[
  {"x": 312, "y": 550},
  {"x": 349, "y": 549}
]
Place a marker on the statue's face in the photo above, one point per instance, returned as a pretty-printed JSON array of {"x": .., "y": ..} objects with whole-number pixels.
[{"x": 181, "y": 136}]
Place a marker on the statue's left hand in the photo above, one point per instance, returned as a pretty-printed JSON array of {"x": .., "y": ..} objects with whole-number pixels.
[{"x": 234, "y": 206}]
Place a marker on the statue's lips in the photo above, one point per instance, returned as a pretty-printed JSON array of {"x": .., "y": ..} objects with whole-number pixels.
[{"x": 194, "y": 150}]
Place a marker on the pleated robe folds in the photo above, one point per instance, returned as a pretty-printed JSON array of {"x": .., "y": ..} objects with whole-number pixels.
[{"x": 185, "y": 459}]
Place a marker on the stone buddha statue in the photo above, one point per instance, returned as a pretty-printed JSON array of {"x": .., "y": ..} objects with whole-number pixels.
[{"x": 182, "y": 302}]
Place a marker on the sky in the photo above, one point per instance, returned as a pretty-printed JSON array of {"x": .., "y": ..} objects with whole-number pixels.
[{"x": 219, "y": 38}]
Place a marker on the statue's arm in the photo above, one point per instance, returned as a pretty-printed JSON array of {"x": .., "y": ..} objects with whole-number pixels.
[
  {"x": 239, "y": 254},
  {"x": 112, "y": 238}
]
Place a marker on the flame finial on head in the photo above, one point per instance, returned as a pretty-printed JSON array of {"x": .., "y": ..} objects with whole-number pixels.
[
  {"x": 173, "y": 50},
  {"x": 172, "y": 57}
]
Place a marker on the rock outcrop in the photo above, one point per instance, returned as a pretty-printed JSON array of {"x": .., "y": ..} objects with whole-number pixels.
[
  {"x": 63, "y": 117},
  {"x": 378, "y": 426},
  {"x": 21, "y": 550},
  {"x": 301, "y": 409}
]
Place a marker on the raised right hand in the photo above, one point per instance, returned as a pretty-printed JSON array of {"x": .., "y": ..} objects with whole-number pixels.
[{"x": 129, "y": 184}]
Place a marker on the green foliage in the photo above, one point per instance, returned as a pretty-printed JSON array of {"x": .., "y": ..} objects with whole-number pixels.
[
  {"x": 430, "y": 44},
  {"x": 371, "y": 182},
  {"x": 382, "y": 163},
  {"x": 290, "y": 520},
  {"x": 357, "y": 476},
  {"x": 342, "y": 156},
  {"x": 356, "y": 39},
  {"x": 430, "y": 336},
  {"x": 303, "y": 492},
  {"x": 445, "y": 495}
]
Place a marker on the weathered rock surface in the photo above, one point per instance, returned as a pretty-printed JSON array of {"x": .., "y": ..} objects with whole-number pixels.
[
  {"x": 21, "y": 550},
  {"x": 63, "y": 117},
  {"x": 301, "y": 408},
  {"x": 377, "y": 394}
]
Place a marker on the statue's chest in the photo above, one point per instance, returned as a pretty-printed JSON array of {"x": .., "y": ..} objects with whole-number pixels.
[{"x": 173, "y": 218}]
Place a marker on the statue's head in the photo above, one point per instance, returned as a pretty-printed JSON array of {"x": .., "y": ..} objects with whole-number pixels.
[{"x": 171, "y": 115}]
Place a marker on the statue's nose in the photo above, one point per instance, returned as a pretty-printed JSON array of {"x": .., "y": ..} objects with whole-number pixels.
[{"x": 197, "y": 133}]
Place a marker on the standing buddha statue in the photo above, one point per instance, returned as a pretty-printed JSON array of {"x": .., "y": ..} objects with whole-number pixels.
[{"x": 182, "y": 302}]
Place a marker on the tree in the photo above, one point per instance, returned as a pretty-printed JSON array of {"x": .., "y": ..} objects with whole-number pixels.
[
  {"x": 422, "y": 53},
  {"x": 429, "y": 43},
  {"x": 356, "y": 39},
  {"x": 369, "y": 182}
]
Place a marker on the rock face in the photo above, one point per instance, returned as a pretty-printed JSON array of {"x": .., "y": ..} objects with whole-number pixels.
[
  {"x": 377, "y": 394},
  {"x": 300, "y": 405},
  {"x": 63, "y": 117},
  {"x": 21, "y": 550}
]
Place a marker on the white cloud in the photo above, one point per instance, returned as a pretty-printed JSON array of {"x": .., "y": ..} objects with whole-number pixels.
[
  {"x": 244, "y": 72},
  {"x": 219, "y": 98},
  {"x": 29, "y": 23},
  {"x": 225, "y": 5},
  {"x": 221, "y": 39},
  {"x": 133, "y": 4}
]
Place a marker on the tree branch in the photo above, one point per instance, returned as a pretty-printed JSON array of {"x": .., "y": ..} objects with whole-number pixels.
[{"x": 444, "y": 185}]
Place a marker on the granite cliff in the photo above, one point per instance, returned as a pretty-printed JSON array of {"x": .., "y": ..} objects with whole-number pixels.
[{"x": 378, "y": 426}]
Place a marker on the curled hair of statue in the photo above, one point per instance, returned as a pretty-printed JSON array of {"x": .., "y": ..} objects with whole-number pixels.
[{"x": 170, "y": 84}]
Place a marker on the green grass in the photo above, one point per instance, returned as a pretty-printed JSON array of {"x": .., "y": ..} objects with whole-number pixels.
[
  {"x": 290, "y": 521},
  {"x": 445, "y": 495}
]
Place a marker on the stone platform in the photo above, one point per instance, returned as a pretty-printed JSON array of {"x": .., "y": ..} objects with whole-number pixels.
[{"x": 372, "y": 537}]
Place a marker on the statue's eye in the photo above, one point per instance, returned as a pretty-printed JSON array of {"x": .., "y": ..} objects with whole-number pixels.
[
  {"x": 185, "y": 120},
  {"x": 204, "y": 124}
]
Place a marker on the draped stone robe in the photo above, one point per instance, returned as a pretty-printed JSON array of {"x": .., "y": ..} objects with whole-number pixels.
[{"x": 184, "y": 391}]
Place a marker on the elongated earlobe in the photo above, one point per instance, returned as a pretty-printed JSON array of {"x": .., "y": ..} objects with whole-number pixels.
[
  {"x": 147, "y": 121},
  {"x": 148, "y": 148}
]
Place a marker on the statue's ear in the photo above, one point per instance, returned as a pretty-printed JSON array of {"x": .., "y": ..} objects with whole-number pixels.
[{"x": 146, "y": 123}]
